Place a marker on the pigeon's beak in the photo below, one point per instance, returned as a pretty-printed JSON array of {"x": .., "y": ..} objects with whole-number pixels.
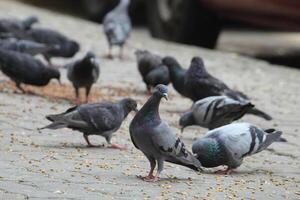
[
  {"x": 165, "y": 95},
  {"x": 182, "y": 128},
  {"x": 93, "y": 60}
]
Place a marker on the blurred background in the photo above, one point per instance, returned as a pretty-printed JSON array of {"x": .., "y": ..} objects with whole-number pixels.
[{"x": 264, "y": 29}]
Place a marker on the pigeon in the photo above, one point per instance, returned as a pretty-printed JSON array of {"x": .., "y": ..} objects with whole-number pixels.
[
  {"x": 83, "y": 73},
  {"x": 156, "y": 139},
  {"x": 215, "y": 111},
  {"x": 152, "y": 69},
  {"x": 14, "y": 25},
  {"x": 117, "y": 26},
  {"x": 26, "y": 46},
  {"x": 196, "y": 84},
  {"x": 176, "y": 74},
  {"x": 230, "y": 144},
  {"x": 94, "y": 119},
  {"x": 67, "y": 47},
  {"x": 23, "y": 68}
]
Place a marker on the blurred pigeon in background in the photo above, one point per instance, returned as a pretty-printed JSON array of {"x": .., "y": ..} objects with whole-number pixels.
[
  {"x": 213, "y": 112},
  {"x": 67, "y": 47},
  {"x": 151, "y": 68},
  {"x": 23, "y": 68},
  {"x": 94, "y": 119},
  {"x": 83, "y": 73},
  {"x": 117, "y": 26},
  {"x": 199, "y": 84},
  {"x": 27, "y": 46},
  {"x": 155, "y": 138},
  {"x": 228, "y": 145},
  {"x": 176, "y": 74},
  {"x": 15, "y": 25}
]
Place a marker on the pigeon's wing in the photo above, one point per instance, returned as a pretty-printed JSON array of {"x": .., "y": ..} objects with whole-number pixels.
[
  {"x": 70, "y": 118},
  {"x": 102, "y": 116},
  {"x": 243, "y": 139},
  {"x": 230, "y": 109},
  {"x": 164, "y": 140},
  {"x": 212, "y": 85}
]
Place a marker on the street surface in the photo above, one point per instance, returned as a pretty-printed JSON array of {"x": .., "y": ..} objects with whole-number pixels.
[{"x": 58, "y": 165}]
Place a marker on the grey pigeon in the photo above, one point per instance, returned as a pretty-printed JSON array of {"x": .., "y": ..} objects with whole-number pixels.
[
  {"x": 117, "y": 26},
  {"x": 65, "y": 47},
  {"x": 213, "y": 112},
  {"x": 151, "y": 68},
  {"x": 23, "y": 68},
  {"x": 230, "y": 144},
  {"x": 156, "y": 139},
  {"x": 176, "y": 74},
  {"x": 94, "y": 119},
  {"x": 84, "y": 73},
  {"x": 26, "y": 46},
  {"x": 14, "y": 25},
  {"x": 197, "y": 84}
]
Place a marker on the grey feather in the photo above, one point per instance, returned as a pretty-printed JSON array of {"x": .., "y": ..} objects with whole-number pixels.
[
  {"x": 213, "y": 112},
  {"x": 155, "y": 138},
  {"x": 94, "y": 119},
  {"x": 23, "y": 68},
  {"x": 26, "y": 46},
  {"x": 228, "y": 145},
  {"x": 84, "y": 73},
  {"x": 117, "y": 24},
  {"x": 14, "y": 25}
]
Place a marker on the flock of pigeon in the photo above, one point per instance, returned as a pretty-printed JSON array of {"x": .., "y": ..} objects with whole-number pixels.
[{"x": 215, "y": 105}]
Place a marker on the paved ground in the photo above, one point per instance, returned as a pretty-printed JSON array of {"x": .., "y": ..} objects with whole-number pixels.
[{"x": 57, "y": 165}]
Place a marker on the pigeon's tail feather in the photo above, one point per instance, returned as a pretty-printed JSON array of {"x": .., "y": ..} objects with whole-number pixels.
[
  {"x": 270, "y": 138},
  {"x": 271, "y": 130},
  {"x": 192, "y": 163},
  {"x": 55, "y": 125},
  {"x": 257, "y": 112},
  {"x": 53, "y": 118}
]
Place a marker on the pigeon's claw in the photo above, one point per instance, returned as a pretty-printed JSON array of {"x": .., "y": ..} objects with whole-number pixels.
[
  {"x": 117, "y": 146},
  {"x": 228, "y": 171},
  {"x": 149, "y": 178}
]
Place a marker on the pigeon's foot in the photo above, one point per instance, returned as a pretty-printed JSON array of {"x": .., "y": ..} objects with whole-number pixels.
[
  {"x": 117, "y": 146},
  {"x": 149, "y": 178},
  {"x": 76, "y": 102},
  {"x": 91, "y": 145},
  {"x": 225, "y": 172}
]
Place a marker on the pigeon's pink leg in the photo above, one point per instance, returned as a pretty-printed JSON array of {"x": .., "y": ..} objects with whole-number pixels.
[
  {"x": 149, "y": 177},
  {"x": 117, "y": 146},
  {"x": 227, "y": 171}
]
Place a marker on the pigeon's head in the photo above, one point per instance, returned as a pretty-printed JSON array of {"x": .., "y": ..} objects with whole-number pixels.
[
  {"x": 70, "y": 48},
  {"x": 140, "y": 53},
  {"x": 33, "y": 19},
  {"x": 29, "y": 21},
  {"x": 53, "y": 73},
  {"x": 90, "y": 57},
  {"x": 185, "y": 120},
  {"x": 129, "y": 104},
  {"x": 205, "y": 149},
  {"x": 162, "y": 91},
  {"x": 171, "y": 63},
  {"x": 197, "y": 61}
]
